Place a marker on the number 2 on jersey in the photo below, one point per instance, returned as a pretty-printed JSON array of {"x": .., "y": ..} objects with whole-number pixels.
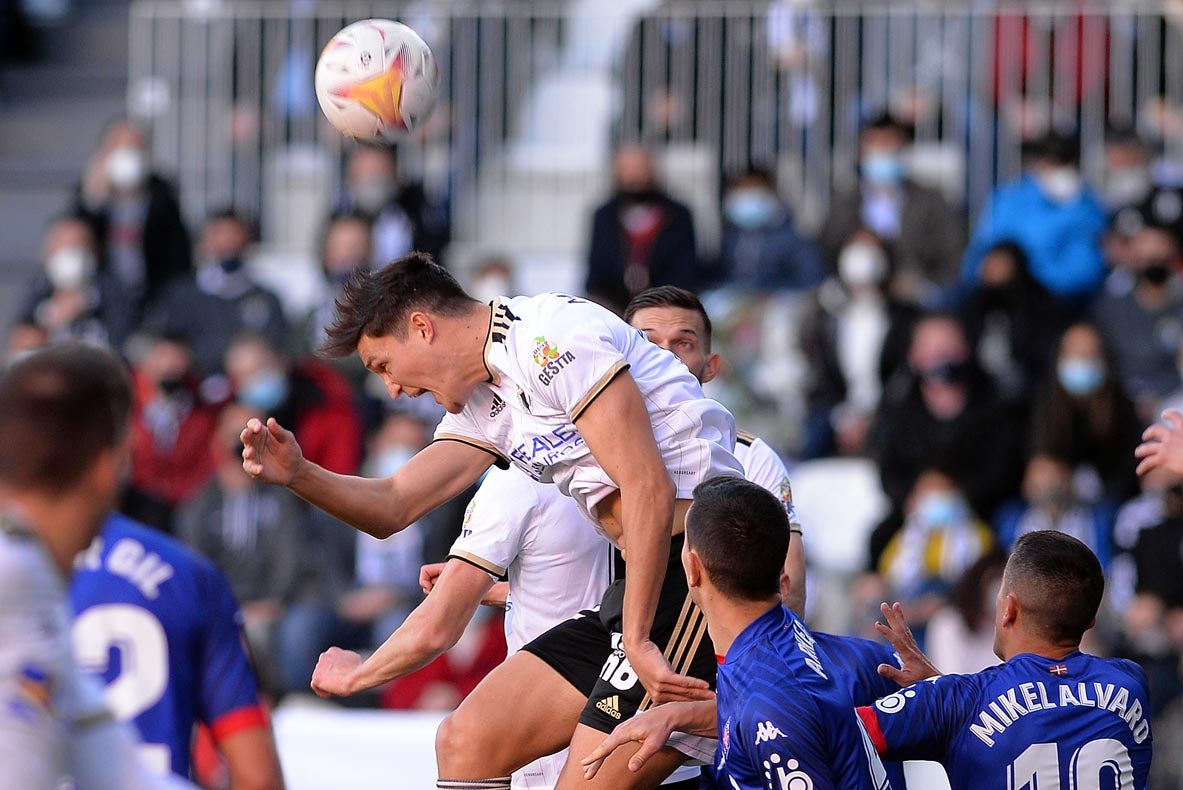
[
  {"x": 143, "y": 673},
  {"x": 1038, "y": 767}
]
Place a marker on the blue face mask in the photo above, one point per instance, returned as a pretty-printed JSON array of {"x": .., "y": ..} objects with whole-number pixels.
[
  {"x": 883, "y": 169},
  {"x": 1079, "y": 376},
  {"x": 265, "y": 391},
  {"x": 938, "y": 510},
  {"x": 751, "y": 209}
]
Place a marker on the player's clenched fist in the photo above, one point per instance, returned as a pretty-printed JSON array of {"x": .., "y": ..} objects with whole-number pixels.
[
  {"x": 334, "y": 672},
  {"x": 270, "y": 452}
]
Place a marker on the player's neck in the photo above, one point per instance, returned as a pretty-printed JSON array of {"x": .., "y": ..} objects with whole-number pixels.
[
  {"x": 1039, "y": 647},
  {"x": 63, "y": 523},
  {"x": 470, "y": 330},
  {"x": 727, "y": 618}
]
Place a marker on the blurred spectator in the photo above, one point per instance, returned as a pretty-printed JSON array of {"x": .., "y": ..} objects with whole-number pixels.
[
  {"x": 762, "y": 249},
  {"x": 492, "y": 277},
  {"x": 1084, "y": 417},
  {"x": 1145, "y": 510},
  {"x": 344, "y": 250},
  {"x": 855, "y": 337},
  {"x": 1144, "y": 325},
  {"x": 1127, "y": 177},
  {"x": 170, "y": 433},
  {"x": 924, "y": 231},
  {"x": 72, "y": 298},
  {"x": 960, "y": 636},
  {"x": 307, "y": 396},
  {"x": 1053, "y": 216},
  {"x": 946, "y": 418},
  {"x": 1013, "y": 322},
  {"x": 940, "y": 538},
  {"x": 1050, "y": 502},
  {"x": 135, "y": 213},
  {"x": 209, "y": 306},
  {"x": 252, "y": 532},
  {"x": 403, "y": 217},
  {"x": 641, "y": 237}
]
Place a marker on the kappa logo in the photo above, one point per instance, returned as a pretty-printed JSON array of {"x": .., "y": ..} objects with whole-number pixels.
[
  {"x": 610, "y": 705},
  {"x": 497, "y": 407},
  {"x": 767, "y": 731}
]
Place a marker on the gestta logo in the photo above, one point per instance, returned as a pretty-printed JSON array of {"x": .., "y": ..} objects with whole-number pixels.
[{"x": 544, "y": 351}]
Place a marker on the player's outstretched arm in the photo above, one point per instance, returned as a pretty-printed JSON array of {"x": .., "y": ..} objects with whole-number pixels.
[
  {"x": 434, "y": 627},
  {"x": 618, "y": 432},
  {"x": 1162, "y": 445},
  {"x": 916, "y": 666},
  {"x": 378, "y": 507},
  {"x": 652, "y": 729}
]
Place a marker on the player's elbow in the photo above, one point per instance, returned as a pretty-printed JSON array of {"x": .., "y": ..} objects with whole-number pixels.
[
  {"x": 260, "y": 775},
  {"x": 654, "y": 487}
]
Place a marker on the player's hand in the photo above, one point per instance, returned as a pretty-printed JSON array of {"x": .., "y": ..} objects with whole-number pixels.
[
  {"x": 916, "y": 667},
  {"x": 270, "y": 452},
  {"x": 334, "y": 671},
  {"x": 1162, "y": 445},
  {"x": 429, "y": 575},
  {"x": 659, "y": 678},
  {"x": 651, "y": 729}
]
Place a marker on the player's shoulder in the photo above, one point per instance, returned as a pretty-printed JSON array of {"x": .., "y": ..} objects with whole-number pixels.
[
  {"x": 168, "y": 548},
  {"x": 1122, "y": 667},
  {"x": 533, "y": 315},
  {"x": 854, "y": 647},
  {"x": 24, "y": 563}
]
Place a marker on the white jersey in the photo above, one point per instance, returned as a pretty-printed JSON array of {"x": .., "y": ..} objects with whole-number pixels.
[
  {"x": 549, "y": 357},
  {"x": 762, "y": 466},
  {"x": 556, "y": 564},
  {"x": 53, "y": 722}
]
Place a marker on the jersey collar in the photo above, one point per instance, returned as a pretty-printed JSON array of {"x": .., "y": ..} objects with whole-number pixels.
[
  {"x": 775, "y": 619},
  {"x": 496, "y": 309}
]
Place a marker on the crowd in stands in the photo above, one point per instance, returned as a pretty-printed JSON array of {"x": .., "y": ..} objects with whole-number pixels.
[{"x": 997, "y": 369}]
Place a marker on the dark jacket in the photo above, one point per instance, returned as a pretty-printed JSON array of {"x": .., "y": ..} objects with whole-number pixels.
[{"x": 671, "y": 258}]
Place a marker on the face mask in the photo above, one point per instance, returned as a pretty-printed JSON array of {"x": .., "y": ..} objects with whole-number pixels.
[
  {"x": 750, "y": 208},
  {"x": 1126, "y": 186},
  {"x": 941, "y": 509},
  {"x": 1155, "y": 272},
  {"x": 1050, "y": 497},
  {"x": 1060, "y": 184},
  {"x": 265, "y": 391},
  {"x": 484, "y": 289},
  {"x": 126, "y": 167},
  {"x": 389, "y": 461},
  {"x": 862, "y": 263},
  {"x": 883, "y": 169},
  {"x": 70, "y": 268},
  {"x": 1080, "y": 377},
  {"x": 372, "y": 194}
]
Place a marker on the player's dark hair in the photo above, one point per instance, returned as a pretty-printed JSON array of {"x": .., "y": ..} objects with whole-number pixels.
[
  {"x": 60, "y": 407},
  {"x": 670, "y": 296},
  {"x": 741, "y": 533},
  {"x": 378, "y": 302},
  {"x": 1059, "y": 583},
  {"x": 884, "y": 121}
]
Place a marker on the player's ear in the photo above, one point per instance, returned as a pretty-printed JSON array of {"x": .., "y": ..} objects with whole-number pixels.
[
  {"x": 714, "y": 362},
  {"x": 1010, "y": 610},
  {"x": 421, "y": 325},
  {"x": 786, "y": 587},
  {"x": 692, "y": 565}
]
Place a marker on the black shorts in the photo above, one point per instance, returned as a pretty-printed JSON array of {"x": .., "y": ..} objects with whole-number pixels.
[{"x": 588, "y": 650}]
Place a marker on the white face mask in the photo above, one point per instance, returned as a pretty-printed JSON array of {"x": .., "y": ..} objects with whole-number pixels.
[
  {"x": 861, "y": 263},
  {"x": 127, "y": 166},
  {"x": 1126, "y": 186},
  {"x": 1060, "y": 184},
  {"x": 372, "y": 194},
  {"x": 485, "y": 288},
  {"x": 70, "y": 268}
]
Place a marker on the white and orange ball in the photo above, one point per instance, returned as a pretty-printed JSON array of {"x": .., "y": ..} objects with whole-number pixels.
[{"x": 377, "y": 80}]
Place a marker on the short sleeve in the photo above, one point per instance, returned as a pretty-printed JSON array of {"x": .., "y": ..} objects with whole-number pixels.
[
  {"x": 229, "y": 694},
  {"x": 576, "y": 354},
  {"x": 495, "y": 522},
  {"x": 764, "y": 468},
  {"x": 463, "y": 428},
  {"x": 917, "y": 722}
]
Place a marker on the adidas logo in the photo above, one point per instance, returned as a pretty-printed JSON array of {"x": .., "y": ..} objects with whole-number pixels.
[
  {"x": 610, "y": 705},
  {"x": 498, "y": 406}
]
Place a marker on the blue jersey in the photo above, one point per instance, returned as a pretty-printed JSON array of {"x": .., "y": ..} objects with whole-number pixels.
[
  {"x": 784, "y": 720},
  {"x": 157, "y": 623},
  {"x": 856, "y": 663},
  {"x": 1029, "y": 724}
]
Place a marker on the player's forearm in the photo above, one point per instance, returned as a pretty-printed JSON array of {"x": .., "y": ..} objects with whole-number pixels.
[
  {"x": 647, "y": 513},
  {"x": 416, "y": 643},
  {"x": 795, "y": 565},
  {"x": 369, "y": 505},
  {"x": 696, "y": 718}
]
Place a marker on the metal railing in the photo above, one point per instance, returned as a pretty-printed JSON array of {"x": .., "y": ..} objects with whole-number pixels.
[{"x": 535, "y": 94}]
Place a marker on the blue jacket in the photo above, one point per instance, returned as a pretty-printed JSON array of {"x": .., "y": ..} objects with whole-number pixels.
[{"x": 1063, "y": 241}]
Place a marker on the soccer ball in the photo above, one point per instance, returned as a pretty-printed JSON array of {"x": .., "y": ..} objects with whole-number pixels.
[{"x": 376, "y": 79}]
